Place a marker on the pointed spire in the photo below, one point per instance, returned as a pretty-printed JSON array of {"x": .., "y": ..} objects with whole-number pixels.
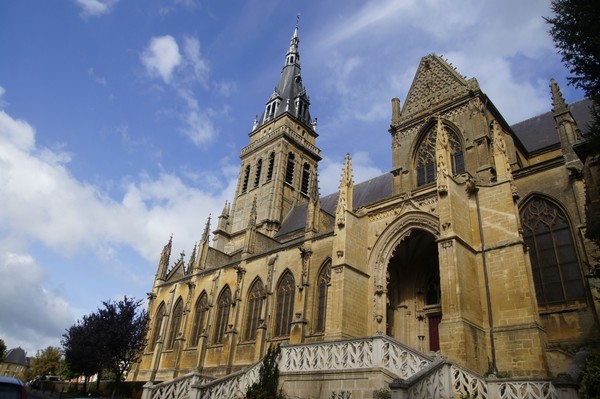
[
  {"x": 558, "y": 102},
  {"x": 289, "y": 95},
  {"x": 163, "y": 264},
  {"x": 346, "y": 193},
  {"x": 347, "y": 183},
  {"x": 292, "y": 56},
  {"x": 314, "y": 207},
  {"x": 206, "y": 233},
  {"x": 192, "y": 260}
]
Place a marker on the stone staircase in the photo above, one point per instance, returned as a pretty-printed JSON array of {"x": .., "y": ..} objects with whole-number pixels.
[{"x": 354, "y": 368}]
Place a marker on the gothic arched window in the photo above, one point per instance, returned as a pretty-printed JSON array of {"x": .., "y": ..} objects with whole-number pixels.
[
  {"x": 425, "y": 159},
  {"x": 200, "y": 312},
  {"x": 289, "y": 170},
  {"x": 253, "y": 310},
  {"x": 157, "y": 323},
  {"x": 323, "y": 282},
  {"x": 285, "y": 305},
  {"x": 223, "y": 305},
  {"x": 176, "y": 318},
  {"x": 556, "y": 273}
]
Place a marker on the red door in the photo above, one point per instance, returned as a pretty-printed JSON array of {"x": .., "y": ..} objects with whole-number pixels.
[{"x": 434, "y": 332}]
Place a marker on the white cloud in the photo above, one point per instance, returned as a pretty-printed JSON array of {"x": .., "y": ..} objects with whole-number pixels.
[
  {"x": 44, "y": 205},
  {"x": 180, "y": 71},
  {"x": 199, "y": 66},
  {"x": 98, "y": 79},
  {"x": 161, "y": 57},
  {"x": 93, "y": 8},
  {"x": 199, "y": 128},
  {"x": 33, "y": 316}
]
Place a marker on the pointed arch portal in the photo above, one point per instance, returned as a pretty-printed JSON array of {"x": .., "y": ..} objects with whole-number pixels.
[{"x": 413, "y": 292}]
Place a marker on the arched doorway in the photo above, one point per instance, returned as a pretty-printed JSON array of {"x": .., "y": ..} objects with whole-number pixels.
[{"x": 413, "y": 292}]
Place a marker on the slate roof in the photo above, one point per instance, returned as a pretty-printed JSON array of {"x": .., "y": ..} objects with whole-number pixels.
[
  {"x": 535, "y": 133},
  {"x": 365, "y": 193},
  {"x": 16, "y": 356},
  {"x": 540, "y": 131}
]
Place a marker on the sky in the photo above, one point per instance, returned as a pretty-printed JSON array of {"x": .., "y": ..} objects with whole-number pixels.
[{"x": 122, "y": 121}]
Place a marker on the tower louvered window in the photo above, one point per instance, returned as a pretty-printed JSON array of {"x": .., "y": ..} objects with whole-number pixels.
[
  {"x": 257, "y": 175},
  {"x": 285, "y": 305},
  {"x": 305, "y": 179},
  {"x": 254, "y": 308},
  {"x": 556, "y": 273},
  {"x": 322, "y": 286},
  {"x": 289, "y": 170},
  {"x": 246, "y": 178},
  {"x": 175, "y": 323},
  {"x": 271, "y": 166},
  {"x": 223, "y": 305},
  {"x": 200, "y": 312},
  {"x": 425, "y": 159}
]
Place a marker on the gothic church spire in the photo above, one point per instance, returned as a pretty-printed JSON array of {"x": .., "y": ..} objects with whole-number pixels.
[{"x": 289, "y": 95}]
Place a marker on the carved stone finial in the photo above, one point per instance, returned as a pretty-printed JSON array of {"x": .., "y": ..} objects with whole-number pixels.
[
  {"x": 206, "y": 232},
  {"x": 558, "y": 102},
  {"x": 345, "y": 194}
]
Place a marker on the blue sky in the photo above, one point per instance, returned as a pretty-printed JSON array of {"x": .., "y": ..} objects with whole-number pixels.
[{"x": 121, "y": 121}]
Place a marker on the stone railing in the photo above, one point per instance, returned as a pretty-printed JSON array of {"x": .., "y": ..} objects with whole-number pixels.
[
  {"x": 419, "y": 376},
  {"x": 443, "y": 379},
  {"x": 232, "y": 386},
  {"x": 178, "y": 388},
  {"x": 378, "y": 351},
  {"x": 282, "y": 130}
]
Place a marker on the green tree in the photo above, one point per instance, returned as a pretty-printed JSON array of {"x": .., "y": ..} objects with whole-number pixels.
[
  {"x": 80, "y": 348},
  {"x": 2, "y": 350},
  {"x": 112, "y": 339},
  {"x": 268, "y": 378},
  {"x": 122, "y": 336},
  {"x": 576, "y": 33},
  {"x": 46, "y": 361}
]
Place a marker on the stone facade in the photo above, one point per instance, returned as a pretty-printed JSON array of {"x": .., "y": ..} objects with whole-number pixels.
[{"x": 472, "y": 246}]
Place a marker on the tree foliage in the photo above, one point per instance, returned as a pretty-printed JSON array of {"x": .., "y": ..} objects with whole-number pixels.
[
  {"x": 576, "y": 33},
  {"x": 123, "y": 334},
  {"x": 2, "y": 350},
  {"x": 46, "y": 361},
  {"x": 79, "y": 344},
  {"x": 112, "y": 338},
  {"x": 268, "y": 378}
]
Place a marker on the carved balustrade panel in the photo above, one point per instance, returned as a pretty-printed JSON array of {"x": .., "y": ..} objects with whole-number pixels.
[
  {"x": 432, "y": 386},
  {"x": 468, "y": 384},
  {"x": 233, "y": 386},
  {"x": 400, "y": 361},
  {"x": 178, "y": 388},
  {"x": 527, "y": 389},
  {"x": 327, "y": 356}
]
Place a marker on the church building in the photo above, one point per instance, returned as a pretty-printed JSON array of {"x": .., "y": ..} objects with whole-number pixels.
[{"x": 471, "y": 247}]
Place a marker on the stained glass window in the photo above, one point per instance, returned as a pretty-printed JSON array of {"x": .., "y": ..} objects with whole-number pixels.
[{"x": 556, "y": 273}]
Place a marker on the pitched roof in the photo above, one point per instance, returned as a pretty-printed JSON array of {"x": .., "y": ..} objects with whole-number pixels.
[
  {"x": 540, "y": 131},
  {"x": 16, "y": 356},
  {"x": 365, "y": 193}
]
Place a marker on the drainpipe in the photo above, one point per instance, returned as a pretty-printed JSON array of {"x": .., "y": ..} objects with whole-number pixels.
[{"x": 487, "y": 285}]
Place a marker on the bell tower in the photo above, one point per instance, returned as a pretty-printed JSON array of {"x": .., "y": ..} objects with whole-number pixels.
[{"x": 280, "y": 162}]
